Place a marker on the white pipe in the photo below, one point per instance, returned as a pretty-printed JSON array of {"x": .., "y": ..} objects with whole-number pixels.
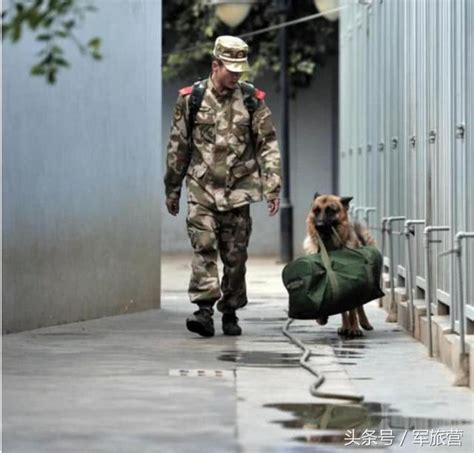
[
  {"x": 458, "y": 250},
  {"x": 428, "y": 260},
  {"x": 391, "y": 269},
  {"x": 407, "y": 231}
]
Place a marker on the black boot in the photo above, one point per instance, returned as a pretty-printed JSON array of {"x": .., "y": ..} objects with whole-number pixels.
[
  {"x": 230, "y": 324},
  {"x": 201, "y": 322}
]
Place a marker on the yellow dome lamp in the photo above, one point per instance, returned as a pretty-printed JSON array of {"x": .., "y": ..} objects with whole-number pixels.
[
  {"x": 232, "y": 12},
  {"x": 328, "y": 5}
]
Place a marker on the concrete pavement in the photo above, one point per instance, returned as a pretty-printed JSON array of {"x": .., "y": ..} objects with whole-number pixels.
[{"x": 142, "y": 383}]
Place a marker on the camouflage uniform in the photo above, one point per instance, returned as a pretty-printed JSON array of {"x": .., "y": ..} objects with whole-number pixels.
[{"x": 228, "y": 163}]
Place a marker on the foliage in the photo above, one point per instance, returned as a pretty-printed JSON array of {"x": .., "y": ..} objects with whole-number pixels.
[
  {"x": 51, "y": 21},
  {"x": 190, "y": 28}
]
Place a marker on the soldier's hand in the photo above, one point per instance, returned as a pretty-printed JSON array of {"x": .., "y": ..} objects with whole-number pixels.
[
  {"x": 172, "y": 204},
  {"x": 273, "y": 206}
]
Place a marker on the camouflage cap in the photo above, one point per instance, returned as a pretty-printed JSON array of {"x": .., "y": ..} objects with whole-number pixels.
[{"x": 232, "y": 51}]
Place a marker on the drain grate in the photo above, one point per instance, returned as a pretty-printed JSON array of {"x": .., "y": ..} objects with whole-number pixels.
[{"x": 229, "y": 374}]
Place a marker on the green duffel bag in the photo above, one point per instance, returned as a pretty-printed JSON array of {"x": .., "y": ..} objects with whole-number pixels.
[{"x": 327, "y": 283}]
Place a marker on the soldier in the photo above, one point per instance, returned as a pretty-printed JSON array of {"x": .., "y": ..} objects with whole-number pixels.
[{"x": 223, "y": 140}]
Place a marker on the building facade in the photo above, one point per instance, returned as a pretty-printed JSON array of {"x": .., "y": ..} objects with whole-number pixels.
[
  {"x": 82, "y": 174},
  {"x": 406, "y": 143}
]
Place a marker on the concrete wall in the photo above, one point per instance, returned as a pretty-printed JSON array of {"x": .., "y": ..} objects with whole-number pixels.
[
  {"x": 312, "y": 139},
  {"x": 82, "y": 177}
]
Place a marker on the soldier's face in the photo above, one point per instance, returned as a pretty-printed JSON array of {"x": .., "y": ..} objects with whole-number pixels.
[{"x": 224, "y": 77}]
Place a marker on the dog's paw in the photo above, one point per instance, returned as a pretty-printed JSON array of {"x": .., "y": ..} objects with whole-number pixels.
[
  {"x": 354, "y": 333},
  {"x": 342, "y": 331},
  {"x": 392, "y": 317},
  {"x": 322, "y": 321},
  {"x": 367, "y": 326}
]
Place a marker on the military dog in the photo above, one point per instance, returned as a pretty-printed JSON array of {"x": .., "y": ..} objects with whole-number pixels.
[{"x": 329, "y": 213}]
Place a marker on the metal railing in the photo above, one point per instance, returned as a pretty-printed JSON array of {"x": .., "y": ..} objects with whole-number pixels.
[
  {"x": 409, "y": 230},
  {"x": 457, "y": 250},
  {"x": 406, "y": 114},
  {"x": 429, "y": 296}
]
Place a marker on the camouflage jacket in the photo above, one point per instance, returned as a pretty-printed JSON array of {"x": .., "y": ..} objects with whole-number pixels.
[{"x": 229, "y": 162}]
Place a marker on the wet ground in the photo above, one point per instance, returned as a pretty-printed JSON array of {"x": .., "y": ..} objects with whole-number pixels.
[
  {"x": 142, "y": 383},
  {"x": 329, "y": 423},
  {"x": 409, "y": 403}
]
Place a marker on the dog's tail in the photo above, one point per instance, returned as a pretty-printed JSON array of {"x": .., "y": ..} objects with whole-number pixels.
[{"x": 363, "y": 234}]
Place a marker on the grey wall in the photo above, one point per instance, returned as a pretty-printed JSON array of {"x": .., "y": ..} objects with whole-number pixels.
[
  {"x": 81, "y": 175},
  {"x": 312, "y": 140}
]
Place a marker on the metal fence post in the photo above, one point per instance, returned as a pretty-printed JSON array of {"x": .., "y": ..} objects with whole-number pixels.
[
  {"x": 458, "y": 250},
  {"x": 429, "y": 283},
  {"x": 366, "y": 216},
  {"x": 408, "y": 230},
  {"x": 392, "y": 315},
  {"x": 356, "y": 211},
  {"x": 383, "y": 231}
]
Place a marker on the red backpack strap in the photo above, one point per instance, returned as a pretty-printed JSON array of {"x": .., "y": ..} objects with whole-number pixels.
[
  {"x": 186, "y": 90},
  {"x": 259, "y": 94}
]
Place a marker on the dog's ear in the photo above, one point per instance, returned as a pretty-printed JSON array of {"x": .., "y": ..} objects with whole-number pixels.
[
  {"x": 346, "y": 201},
  {"x": 316, "y": 195}
]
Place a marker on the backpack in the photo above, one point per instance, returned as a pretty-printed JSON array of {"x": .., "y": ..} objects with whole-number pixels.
[{"x": 252, "y": 99}]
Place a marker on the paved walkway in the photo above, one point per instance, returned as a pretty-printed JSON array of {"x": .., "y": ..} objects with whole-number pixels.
[{"x": 142, "y": 383}]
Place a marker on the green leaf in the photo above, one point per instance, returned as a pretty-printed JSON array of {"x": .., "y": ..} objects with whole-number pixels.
[
  {"x": 37, "y": 70},
  {"x": 50, "y": 21},
  {"x": 51, "y": 75},
  {"x": 56, "y": 50},
  {"x": 47, "y": 59},
  {"x": 16, "y": 32},
  {"x": 5, "y": 30},
  {"x": 47, "y": 22},
  {"x": 94, "y": 43},
  {"x": 209, "y": 30},
  {"x": 69, "y": 24},
  {"x": 62, "y": 62},
  {"x": 34, "y": 18},
  {"x": 44, "y": 37}
]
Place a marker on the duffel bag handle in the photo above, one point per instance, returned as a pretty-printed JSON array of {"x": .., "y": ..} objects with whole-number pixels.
[{"x": 327, "y": 264}]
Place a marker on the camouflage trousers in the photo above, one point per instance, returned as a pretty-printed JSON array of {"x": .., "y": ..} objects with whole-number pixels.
[{"x": 214, "y": 233}]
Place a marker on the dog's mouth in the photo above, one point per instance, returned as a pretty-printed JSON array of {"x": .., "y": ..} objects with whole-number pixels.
[{"x": 324, "y": 227}]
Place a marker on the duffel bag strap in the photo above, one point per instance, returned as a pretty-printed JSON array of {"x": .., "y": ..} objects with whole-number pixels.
[
  {"x": 334, "y": 231},
  {"x": 327, "y": 264},
  {"x": 370, "y": 277}
]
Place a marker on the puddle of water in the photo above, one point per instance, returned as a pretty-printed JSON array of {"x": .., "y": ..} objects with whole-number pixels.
[
  {"x": 265, "y": 320},
  {"x": 357, "y": 417},
  {"x": 271, "y": 340},
  {"x": 261, "y": 358},
  {"x": 348, "y": 346},
  {"x": 357, "y": 344},
  {"x": 322, "y": 439},
  {"x": 341, "y": 344},
  {"x": 328, "y": 416},
  {"x": 61, "y": 334},
  {"x": 347, "y": 354}
]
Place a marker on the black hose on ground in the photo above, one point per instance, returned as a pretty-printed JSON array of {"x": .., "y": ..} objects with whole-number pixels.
[{"x": 319, "y": 377}]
